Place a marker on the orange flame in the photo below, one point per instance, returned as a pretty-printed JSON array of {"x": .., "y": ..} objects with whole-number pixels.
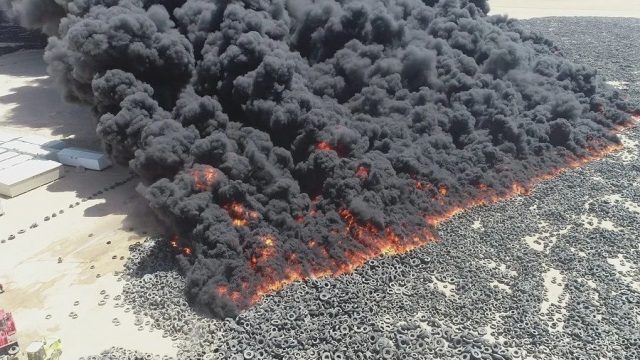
[
  {"x": 176, "y": 245},
  {"x": 269, "y": 251},
  {"x": 267, "y": 240},
  {"x": 324, "y": 146},
  {"x": 239, "y": 222},
  {"x": 223, "y": 290},
  {"x": 420, "y": 185},
  {"x": 239, "y": 215},
  {"x": 203, "y": 178},
  {"x": 489, "y": 196},
  {"x": 376, "y": 242},
  {"x": 362, "y": 172}
]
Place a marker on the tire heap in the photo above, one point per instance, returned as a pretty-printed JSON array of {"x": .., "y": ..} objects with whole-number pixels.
[
  {"x": 124, "y": 354},
  {"x": 489, "y": 289}
]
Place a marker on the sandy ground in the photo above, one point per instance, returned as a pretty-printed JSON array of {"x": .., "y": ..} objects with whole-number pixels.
[
  {"x": 526, "y": 9},
  {"x": 41, "y": 293},
  {"x": 31, "y": 104}
]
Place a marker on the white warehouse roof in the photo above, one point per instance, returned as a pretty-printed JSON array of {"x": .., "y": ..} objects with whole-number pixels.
[
  {"x": 29, "y": 149},
  {"x": 22, "y": 162},
  {"x": 28, "y": 175},
  {"x": 88, "y": 159},
  {"x": 14, "y": 160},
  {"x": 5, "y": 136},
  {"x": 4, "y": 154},
  {"x": 43, "y": 142}
]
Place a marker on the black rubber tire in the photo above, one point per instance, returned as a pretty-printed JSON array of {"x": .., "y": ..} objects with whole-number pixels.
[{"x": 13, "y": 350}]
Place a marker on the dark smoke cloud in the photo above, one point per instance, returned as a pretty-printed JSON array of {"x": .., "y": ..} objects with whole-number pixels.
[
  {"x": 34, "y": 14},
  {"x": 262, "y": 127}
]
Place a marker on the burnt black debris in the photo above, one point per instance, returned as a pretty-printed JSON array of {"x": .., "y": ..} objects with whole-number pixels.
[{"x": 261, "y": 128}]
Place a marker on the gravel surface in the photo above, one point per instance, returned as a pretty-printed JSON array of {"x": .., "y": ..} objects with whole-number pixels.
[{"x": 552, "y": 275}]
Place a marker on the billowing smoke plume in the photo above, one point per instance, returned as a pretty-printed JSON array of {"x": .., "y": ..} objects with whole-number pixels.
[{"x": 283, "y": 139}]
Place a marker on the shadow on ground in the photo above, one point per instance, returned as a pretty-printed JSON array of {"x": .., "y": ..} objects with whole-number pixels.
[
  {"x": 33, "y": 104},
  {"x": 39, "y": 106}
]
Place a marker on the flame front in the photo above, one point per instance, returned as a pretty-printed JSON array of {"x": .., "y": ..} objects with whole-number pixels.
[{"x": 373, "y": 241}]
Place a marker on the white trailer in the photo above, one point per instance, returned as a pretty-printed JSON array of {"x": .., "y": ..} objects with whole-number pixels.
[{"x": 87, "y": 159}]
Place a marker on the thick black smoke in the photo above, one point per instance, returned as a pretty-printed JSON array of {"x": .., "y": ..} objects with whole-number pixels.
[{"x": 277, "y": 137}]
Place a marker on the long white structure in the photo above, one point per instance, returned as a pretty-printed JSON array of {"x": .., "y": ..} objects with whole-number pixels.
[
  {"x": 29, "y": 175},
  {"x": 13, "y": 161},
  {"x": 26, "y": 162},
  {"x": 5, "y": 154},
  {"x": 30, "y": 149},
  {"x": 43, "y": 142},
  {"x": 87, "y": 159},
  {"x": 4, "y": 137}
]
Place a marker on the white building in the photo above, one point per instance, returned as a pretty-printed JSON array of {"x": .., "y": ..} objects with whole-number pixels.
[
  {"x": 28, "y": 175},
  {"x": 13, "y": 160},
  {"x": 30, "y": 149},
  {"x": 88, "y": 159},
  {"x": 44, "y": 142},
  {"x": 4, "y": 137},
  {"x": 24, "y": 165},
  {"x": 5, "y": 154}
]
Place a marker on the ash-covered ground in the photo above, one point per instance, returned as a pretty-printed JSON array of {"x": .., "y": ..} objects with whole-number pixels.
[{"x": 552, "y": 275}]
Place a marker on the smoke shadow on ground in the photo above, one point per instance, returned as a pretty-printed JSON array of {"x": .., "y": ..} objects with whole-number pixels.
[
  {"x": 23, "y": 63},
  {"x": 114, "y": 189},
  {"x": 38, "y": 106}
]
